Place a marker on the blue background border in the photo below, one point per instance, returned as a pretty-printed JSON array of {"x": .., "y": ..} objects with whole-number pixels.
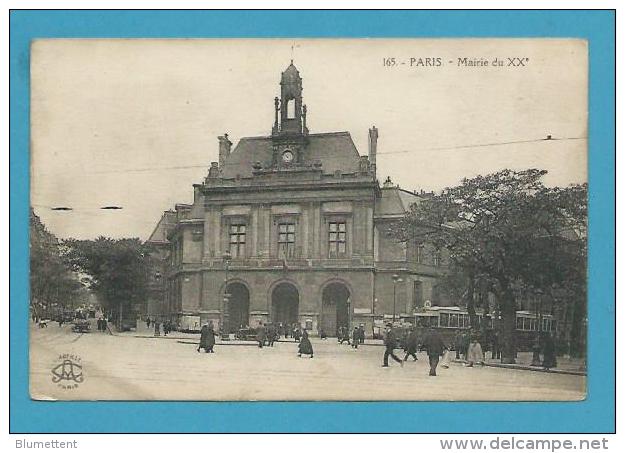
[{"x": 595, "y": 414}]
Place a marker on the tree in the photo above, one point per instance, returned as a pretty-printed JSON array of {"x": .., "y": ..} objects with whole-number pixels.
[
  {"x": 52, "y": 283},
  {"x": 508, "y": 230},
  {"x": 118, "y": 270}
]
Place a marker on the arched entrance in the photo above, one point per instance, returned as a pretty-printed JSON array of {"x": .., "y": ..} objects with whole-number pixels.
[
  {"x": 334, "y": 307},
  {"x": 238, "y": 306},
  {"x": 284, "y": 303}
]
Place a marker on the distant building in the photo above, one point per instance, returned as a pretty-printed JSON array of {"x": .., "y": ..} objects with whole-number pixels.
[{"x": 292, "y": 228}]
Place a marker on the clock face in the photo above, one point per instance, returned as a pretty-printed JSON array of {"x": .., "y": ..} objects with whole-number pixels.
[{"x": 287, "y": 156}]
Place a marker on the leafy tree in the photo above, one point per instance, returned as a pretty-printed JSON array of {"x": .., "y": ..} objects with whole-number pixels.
[
  {"x": 118, "y": 270},
  {"x": 51, "y": 279},
  {"x": 506, "y": 230}
]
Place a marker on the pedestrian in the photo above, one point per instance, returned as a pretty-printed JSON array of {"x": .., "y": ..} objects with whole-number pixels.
[
  {"x": 549, "y": 351},
  {"x": 435, "y": 348},
  {"x": 261, "y": 334},
  {"x": 475, "y": 355},
  {"x": 411, "y": 344},
  {"x": 355, "y": 338},
  {"x": 322, "y": 334},
  {"x": 361, "y": 330},
  {"x": 305, "y": 346},
  {"x": 147, "y": 321},
  {"x": 297, "y": 334},
  {"x": 344, "y": 335},
  {"x": 104, "y": 324},
  {"x": 390, "y": 343},
  {"x": 458, "y": 341},
  {"x": 496, "y": 352},
  {"x": 207, "y": 338},
  {"x": 466, "y": 339},
  {"x": 157, "y": 329},
  {"x": 271, "y": 335}
]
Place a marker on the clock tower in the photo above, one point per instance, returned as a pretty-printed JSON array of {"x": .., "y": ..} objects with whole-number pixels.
[{"x": 289, "y": 133}]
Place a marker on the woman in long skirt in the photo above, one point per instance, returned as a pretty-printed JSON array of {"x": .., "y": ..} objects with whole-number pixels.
[
  {"x": 305, "y": 346},
  {"x": 207, "y": 338},
  {"x": 474, "y": 353}
]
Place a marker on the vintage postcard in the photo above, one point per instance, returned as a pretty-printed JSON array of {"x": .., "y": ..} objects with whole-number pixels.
[{"x": 308, "y": 219}]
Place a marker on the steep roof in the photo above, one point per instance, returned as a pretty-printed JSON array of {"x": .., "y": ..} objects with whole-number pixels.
[
  {"x": 166, "y": 222},
  {"x": 394, "y": 201},
  {"x": 335, "y": 150}
]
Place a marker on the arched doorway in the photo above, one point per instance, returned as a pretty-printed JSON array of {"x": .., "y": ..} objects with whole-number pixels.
[
  {"x": 284, "y": 303},
  {"x": 238, "y": 306},
  {"x": 334, "y": 307}
]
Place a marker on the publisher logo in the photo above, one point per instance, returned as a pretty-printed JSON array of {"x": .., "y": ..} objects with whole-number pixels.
[{"x": 67, "y": 374}]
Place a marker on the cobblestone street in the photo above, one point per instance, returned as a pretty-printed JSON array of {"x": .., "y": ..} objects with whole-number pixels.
[{"x": 133, "y": 366}]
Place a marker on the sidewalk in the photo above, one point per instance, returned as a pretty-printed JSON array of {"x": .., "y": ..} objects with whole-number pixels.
[{"x": 566, "y": 365}]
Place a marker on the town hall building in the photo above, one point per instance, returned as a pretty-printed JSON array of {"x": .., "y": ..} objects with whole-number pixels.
[{"x": 289, "y": 228}]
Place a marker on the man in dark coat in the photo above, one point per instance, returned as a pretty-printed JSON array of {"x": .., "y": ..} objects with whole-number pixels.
[
  {"x": 305, "y": 346},
  {"x": 355, "y": 338},
  {"x": 390, "y": 341},
  {"x": 361, "y": 331},
  {"x": 271, "y": 335},
  {"x": 411, "y": 345},
  {"x": 261, "y": 334},
  {"x": 435, "y": 348},
  {"x": 207, "y": 338}
]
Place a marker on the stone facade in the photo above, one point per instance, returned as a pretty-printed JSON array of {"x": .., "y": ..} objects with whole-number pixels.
[{"x": 292, "y": 228}]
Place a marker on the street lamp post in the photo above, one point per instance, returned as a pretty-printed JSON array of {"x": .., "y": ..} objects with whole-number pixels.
[
  {"x": 396, "y": 280},
  {"x": 226, "y": 297}
]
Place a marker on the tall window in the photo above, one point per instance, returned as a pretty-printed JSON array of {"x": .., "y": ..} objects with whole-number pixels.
[
  {"x": 237, "y": 241},
  {"x": 417, "y": 295},
  {"x": 419, "y": 253},
  {"x": 437, "y": 257},
  {"x": 286, "y": 240},
  {"x": 337, "y": 239}
]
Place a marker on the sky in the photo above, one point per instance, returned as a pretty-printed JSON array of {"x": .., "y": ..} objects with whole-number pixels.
[{"x": 134, "y": 123}]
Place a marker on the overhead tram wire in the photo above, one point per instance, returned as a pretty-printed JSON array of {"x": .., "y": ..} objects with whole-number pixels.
[{"x": 548, "y": 138}]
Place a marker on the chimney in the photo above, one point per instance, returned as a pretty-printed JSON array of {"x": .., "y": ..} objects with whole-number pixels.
[
  {"x": 373, "y": 147},
  {"x": 224, "y": 149}
]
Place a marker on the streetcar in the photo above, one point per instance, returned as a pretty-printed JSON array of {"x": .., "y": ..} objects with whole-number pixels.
[{"x": 448, "y": 320}]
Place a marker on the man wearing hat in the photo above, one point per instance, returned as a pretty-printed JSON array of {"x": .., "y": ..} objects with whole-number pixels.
[{"x": 390, "y": 341}]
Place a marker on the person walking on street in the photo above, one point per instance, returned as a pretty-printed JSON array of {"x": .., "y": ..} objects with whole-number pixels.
[
  {"x": 305, "y": 346},
  {"x": 411, "y": 345},
  {"x": 261, "y": 334},
  {"x": 458, "y": 341},
  {"x": 297, "y": 334},
  {"x": 361, "y": 331},
  {"x": 344, "y": 335},
  {"x": 271, "y": 335},
  {"x": 390, "y": 343},
  {"x": 207, "y": 338},
  {"x": 355, "y": 338},
  {"x": 148, "y": 321},
  {"x": 475, "y": 355},
  {"x": 466, "y": 339},
  {"x": 435, "y": 348}
]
